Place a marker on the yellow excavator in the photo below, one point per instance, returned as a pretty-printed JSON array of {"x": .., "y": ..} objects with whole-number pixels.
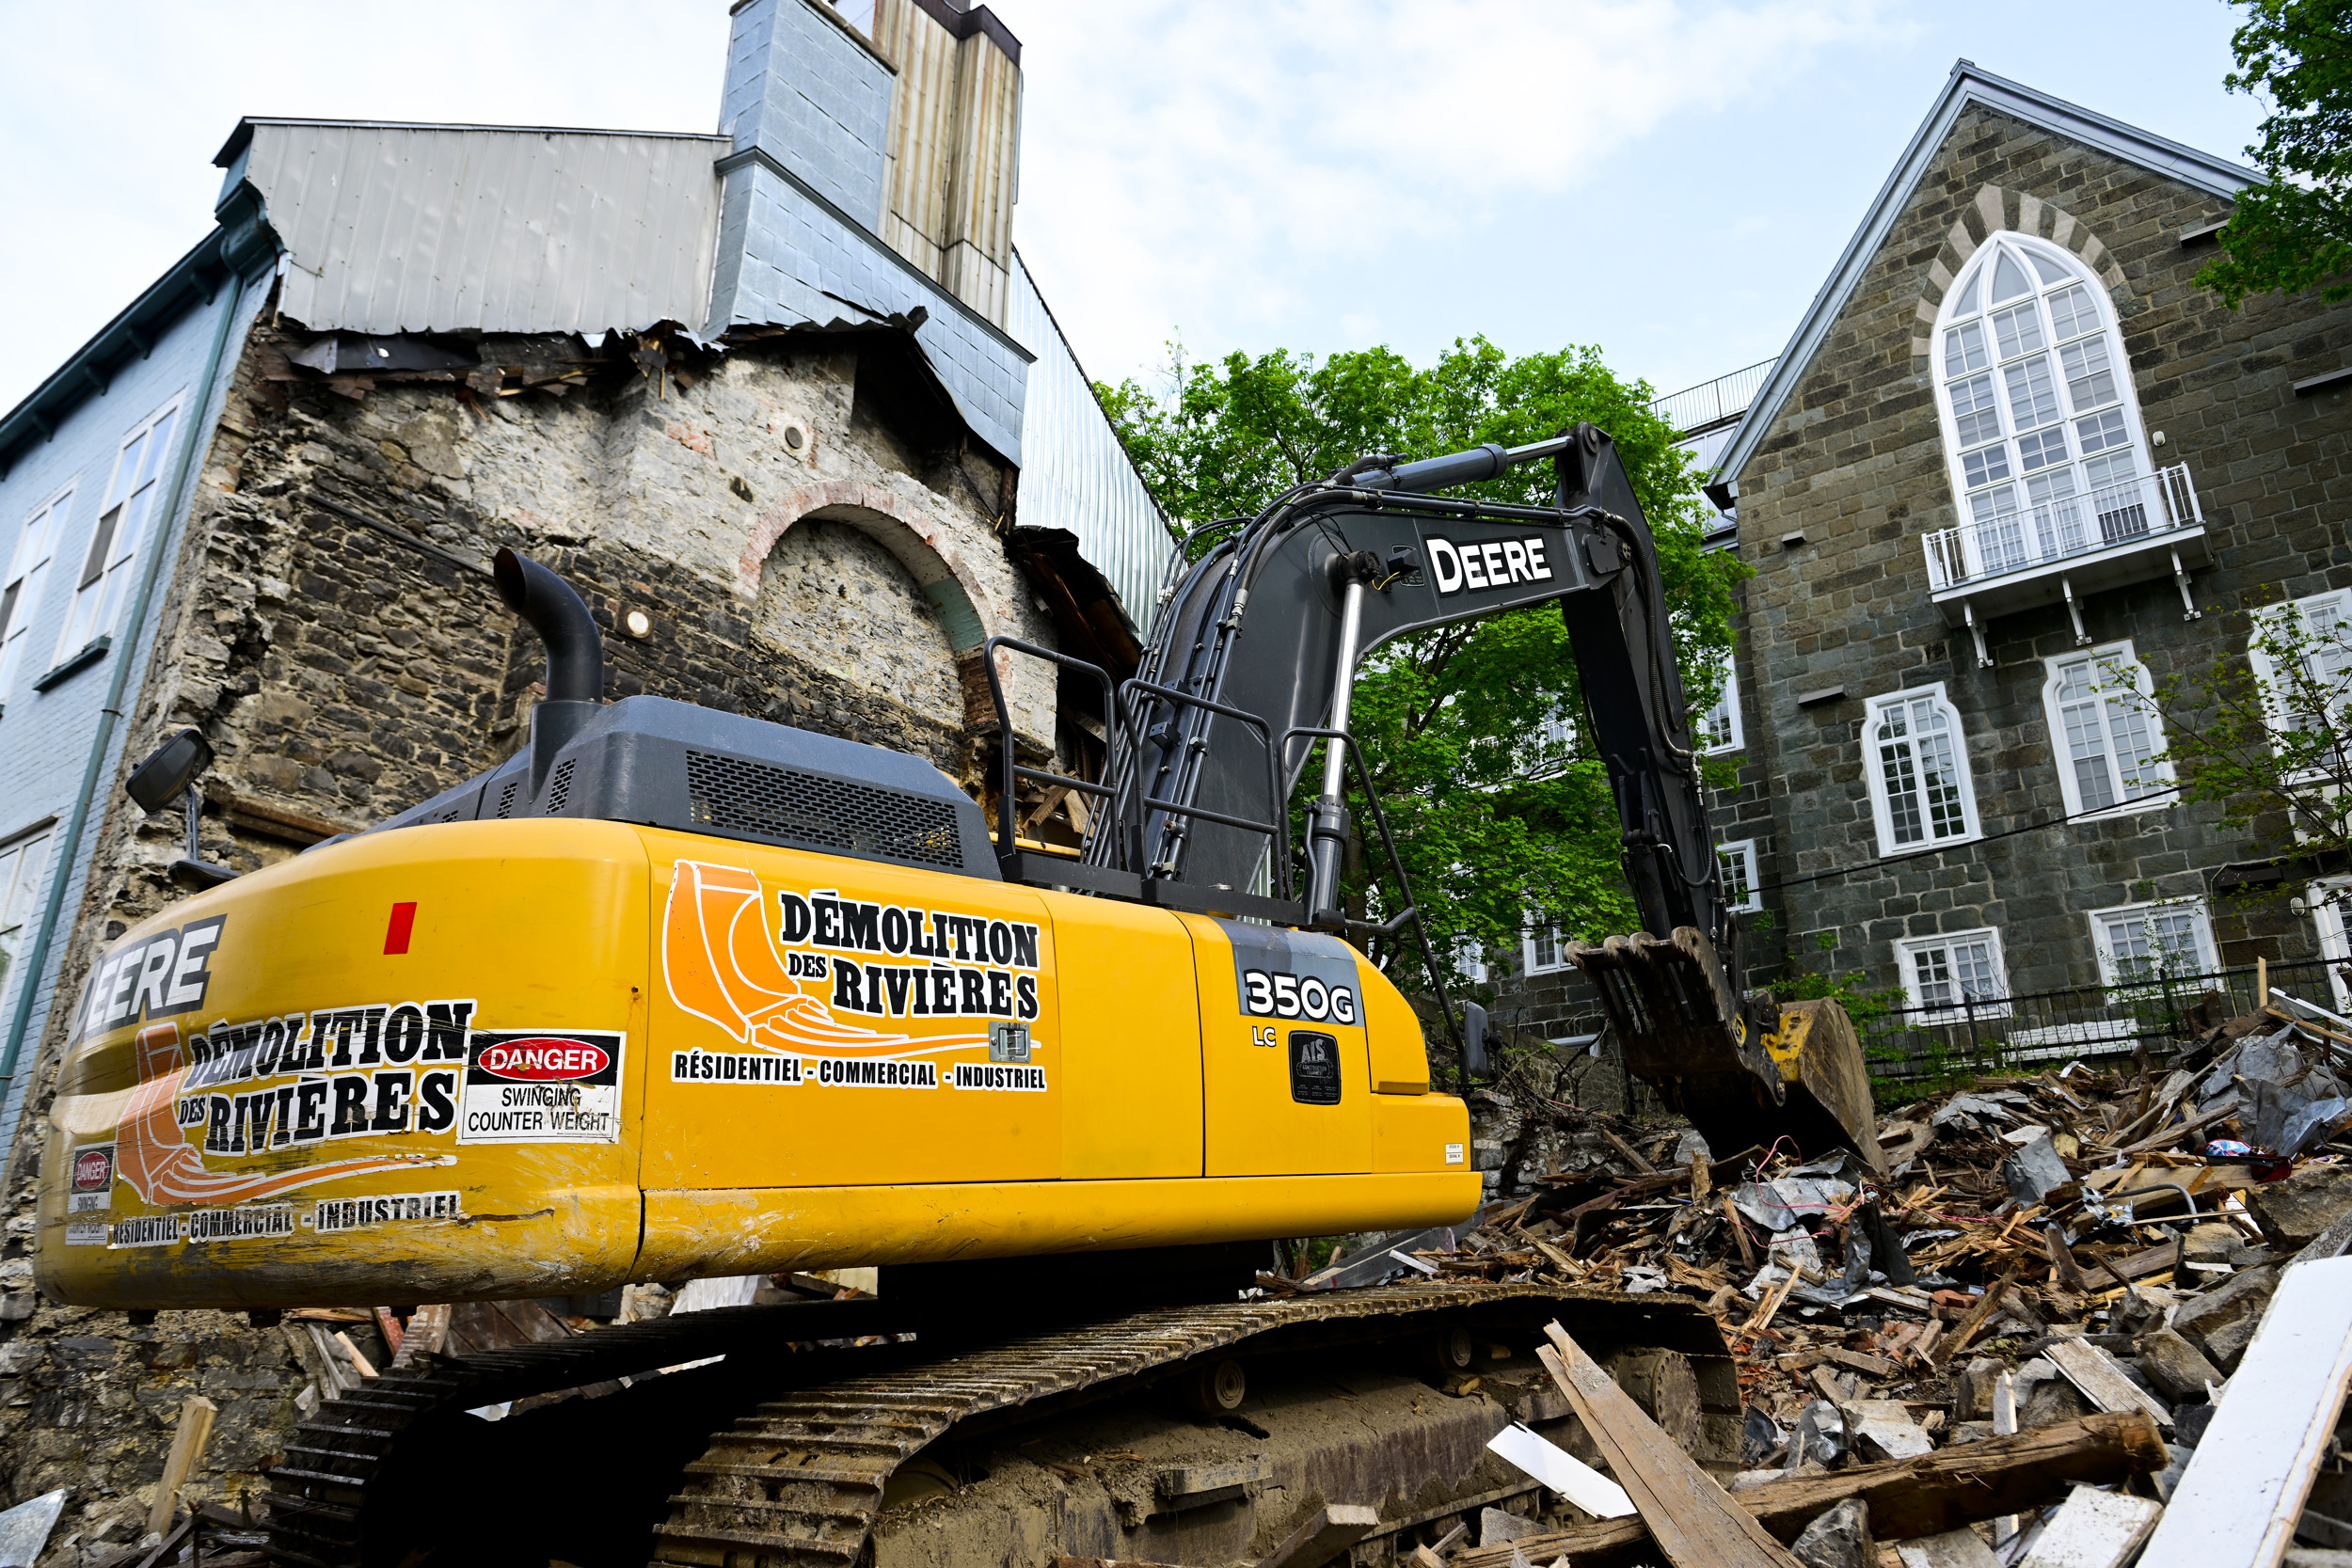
[{"x": 675, "y": 992}]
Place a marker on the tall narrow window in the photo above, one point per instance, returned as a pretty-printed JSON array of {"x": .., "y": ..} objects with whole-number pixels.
[
  {"x": 1739, "y": 884},
  {"x": 2302, "y": 652},
  {"x": 19, "y": 593},
  {"x": 2327, "y": 901},
  {"x": 124, "y": 521},
  {"x": 1918, "y": 761},
  {"x": 1545, "y": 951},
  {"x": 22, "y": 863},
  {"x": 1718, "y": 726},
  {"x": 2041, "y": 425},
  {"x": 2147, "y": 941},
  {"x": 1958, "y": 974},
  {"x": 2103, "y": 729}
]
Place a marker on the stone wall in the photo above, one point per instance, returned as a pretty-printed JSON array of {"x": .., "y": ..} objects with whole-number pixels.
[
  {"x": 1854, "y": 462},
  {"x": 330, "y": 628}
]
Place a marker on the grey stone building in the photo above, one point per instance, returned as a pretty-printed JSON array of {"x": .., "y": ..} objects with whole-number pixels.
[
  {"x": 2012, "y": 460},
  {"x": 784, "y": 402}
]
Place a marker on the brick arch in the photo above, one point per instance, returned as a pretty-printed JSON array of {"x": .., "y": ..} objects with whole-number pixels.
[
  {"x": 912, "y": 535},
  {"x": 1997, "y": 211}
]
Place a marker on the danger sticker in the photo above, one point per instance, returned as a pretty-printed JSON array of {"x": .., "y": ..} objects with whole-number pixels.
[
  {"x": 93, "y": 1179},
  {"x": 541, "y": 1086}
]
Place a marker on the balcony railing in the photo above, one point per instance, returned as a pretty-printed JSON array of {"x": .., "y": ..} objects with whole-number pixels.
[
  {"x": 2148, "y": 507},
  {"x": 1711, "y": 403}
]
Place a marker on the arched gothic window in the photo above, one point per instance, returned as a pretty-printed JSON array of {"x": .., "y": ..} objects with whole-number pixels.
[
  {"x": 1920, "y": 790},
  {"x": 2041, "y": 425}
]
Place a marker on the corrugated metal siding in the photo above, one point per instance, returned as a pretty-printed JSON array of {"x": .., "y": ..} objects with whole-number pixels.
[
  {"x": 1077, "y": 476},
  {"x": 399, "y": 228}
]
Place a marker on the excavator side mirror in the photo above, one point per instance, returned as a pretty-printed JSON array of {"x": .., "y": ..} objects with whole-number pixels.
[
  {"x": 1474, "y": 1062},
  {"x": 169, "y": 774},
  {"x": 169, "y": 769}
]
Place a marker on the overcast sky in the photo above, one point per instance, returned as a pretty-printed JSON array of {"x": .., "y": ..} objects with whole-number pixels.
[{"x": 1670, "y": 181}]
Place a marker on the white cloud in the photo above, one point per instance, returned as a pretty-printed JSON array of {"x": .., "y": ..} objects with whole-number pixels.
[{"x": 1216, "y": 166}]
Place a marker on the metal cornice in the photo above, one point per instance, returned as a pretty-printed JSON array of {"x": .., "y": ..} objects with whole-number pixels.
[
  {"x": 237, "y": 247},
  {"x": 1966, "y": 85}
]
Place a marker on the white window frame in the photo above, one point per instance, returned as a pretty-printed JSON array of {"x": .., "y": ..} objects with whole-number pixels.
[
  {"x": 24, "y": 872},
  {"x": 2052, "y": 520},
  {"x": 2156, "y": 775},
  {"x": 1538, "y": 934},
  {"x": 1907, "y": 953},
  {"x": 1742, "y": 853},
  {"x": 2208, "y": 957},
  {"x": 1874, "y": 767},
  {"x": 1470, "y": 956},
  {"x": 121, "y": 532},
  {"x": 26, "y": 577},
  {"x": 2325, "y": 900},
  {"x": 1719, "y": 727},
  {"x": 2339, "y": 602}
]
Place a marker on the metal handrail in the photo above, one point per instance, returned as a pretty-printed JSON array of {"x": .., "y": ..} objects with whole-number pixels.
[{"x": 1006, "y": 840}]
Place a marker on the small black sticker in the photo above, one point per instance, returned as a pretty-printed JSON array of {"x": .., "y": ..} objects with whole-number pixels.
[{"x": 1314, "y": 1067}]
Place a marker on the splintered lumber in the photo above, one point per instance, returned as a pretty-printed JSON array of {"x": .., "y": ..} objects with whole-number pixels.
[
  {"x": 188, "y": 1450},
  {"x": 1932, "y": 1495},
  {"x": 1326, "y": 1532},
  {"x": 1694, "y": 1521},
  {"x": 1966, "y": 1328},
  {"x": 2102, "y": 1382},
  {"x": 2238, "y": 1502}
]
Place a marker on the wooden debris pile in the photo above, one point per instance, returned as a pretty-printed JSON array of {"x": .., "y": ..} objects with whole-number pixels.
[{"x": 2038, "y": 1249}]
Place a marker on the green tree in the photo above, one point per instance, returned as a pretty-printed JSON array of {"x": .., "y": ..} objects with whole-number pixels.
[
  {"x": 1471, "y": 731},
  {"x": 2295, "y": 229},
  {"x": 2266, "y": 740}
]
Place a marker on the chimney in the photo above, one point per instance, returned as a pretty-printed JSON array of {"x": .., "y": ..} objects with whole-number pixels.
[
  {"x": 954, "y": 167},
  {"x": 808, "y": 88}
]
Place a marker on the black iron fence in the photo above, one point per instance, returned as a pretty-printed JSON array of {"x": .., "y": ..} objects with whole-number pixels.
[{"x": 2160, "y": 1013}]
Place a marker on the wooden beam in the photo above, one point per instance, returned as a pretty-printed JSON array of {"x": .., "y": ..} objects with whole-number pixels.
[
  {"x": 1931, "y": 1495},
  {"x": 1694, "y": 1521},
  {"x": 187, "y": 1449},
  {"x": 1326, "y": 1532}
]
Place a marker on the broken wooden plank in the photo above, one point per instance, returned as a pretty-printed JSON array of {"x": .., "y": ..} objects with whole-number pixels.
[
  {"x": 2237, "y": 1503},
  {"x": 2102, "y": 1382},
  {"x": 197, "y": 1414},
  {"x": 1325, "y": 1534},
  {"x": 2094, "y": 1529},
  {"x": 1695, "y": 1522},
  {"x": 1929, "y": 1496},
  {"x": 1966, "y": 1328}
]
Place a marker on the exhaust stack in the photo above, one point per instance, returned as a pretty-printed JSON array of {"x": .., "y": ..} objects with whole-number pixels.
[{"x": 575, "y": 655}]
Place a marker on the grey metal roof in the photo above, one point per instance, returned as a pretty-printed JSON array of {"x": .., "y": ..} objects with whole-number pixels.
[
  {"x": 393, "y": 227},
  {"x": 1966, "y": 85},
  {"x": 1076, "y": 475}
]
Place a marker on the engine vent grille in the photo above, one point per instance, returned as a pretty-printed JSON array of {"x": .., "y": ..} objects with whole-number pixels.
[
  {"x": 783, "y": 802},
  {"x": 560, "y": 791},
  {"x": 506, "y": 797}
]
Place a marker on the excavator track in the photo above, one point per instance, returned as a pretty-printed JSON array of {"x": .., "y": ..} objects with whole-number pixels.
[{"x": 799, "y": 1480}]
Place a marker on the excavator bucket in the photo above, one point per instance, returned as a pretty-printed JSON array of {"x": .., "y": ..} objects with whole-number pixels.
[{"x": 1745, "y": 1073}]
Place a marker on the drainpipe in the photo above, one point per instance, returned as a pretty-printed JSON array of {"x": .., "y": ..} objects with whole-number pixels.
[{"x": 235, "y": 237}]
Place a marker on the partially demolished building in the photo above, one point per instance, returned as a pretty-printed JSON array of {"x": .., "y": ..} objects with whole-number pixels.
[{"x": 783, "y": 402}]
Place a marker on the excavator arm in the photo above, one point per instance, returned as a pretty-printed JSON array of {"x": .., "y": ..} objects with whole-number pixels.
[{"x": 1252, "y": 661}]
